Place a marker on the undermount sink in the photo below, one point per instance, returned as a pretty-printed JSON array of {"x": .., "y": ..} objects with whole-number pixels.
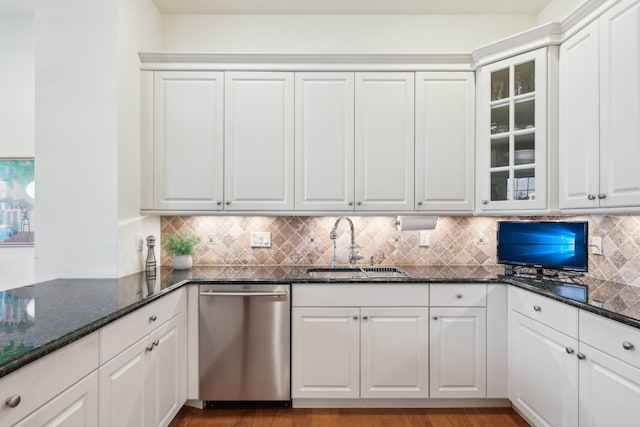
[{"x": 373, "y": 272}]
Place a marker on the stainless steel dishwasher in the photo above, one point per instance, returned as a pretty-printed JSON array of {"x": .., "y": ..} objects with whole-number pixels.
[{"x": 244, "y": 343}]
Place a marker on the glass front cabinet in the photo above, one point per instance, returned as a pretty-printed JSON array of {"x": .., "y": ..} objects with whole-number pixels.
[{"x": 512, "y": 133}]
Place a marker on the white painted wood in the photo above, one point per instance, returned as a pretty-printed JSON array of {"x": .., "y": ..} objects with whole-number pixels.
[
  {"x": 609, "y": 390},
  {"x": 486, "y": 200},
  {"x": 188, "y": 140},
  {"x": 620, "y": 105},
  {"x": 444, "y": 141},
  {"x": 123, "y": 397},
  {"x": 259, "y": 141},
  {"x": 324, "y": 141},
  {"x": 458, "y": 295},
  {"x": 325, "y": 352},
  {"x": 193, "y": 320},
  {"x": 146, "y": 140},
  {"x": 579, "y": 120},
  {"x": 394, "y": 352},
  {"x": 166, "y": 383},
  {"x": 75, "y": 407},
  {"x": 384, "y": 139},
  {"x": 44, "y": 379},
  {"x": 457, "y": 353},
  {"x": 609, "y": 336},
  {"x": 543, "y": 375},
  {"x": 497, "y": 333},
  {"x": 125, "y": 331},
  {"x": 401, "y": 403},
  {"x": 360, "y": 295},
  {"x": 554, "y": 314}
]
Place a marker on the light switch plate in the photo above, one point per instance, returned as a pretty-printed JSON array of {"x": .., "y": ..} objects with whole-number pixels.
[
  {"x": 596, "y": 245},
  {"x": 424, "y": 238},
  {"x": 260, "y": 239}
]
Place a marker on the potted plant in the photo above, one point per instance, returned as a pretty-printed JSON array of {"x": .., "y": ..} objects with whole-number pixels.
[{"x": 180, "y": 248}]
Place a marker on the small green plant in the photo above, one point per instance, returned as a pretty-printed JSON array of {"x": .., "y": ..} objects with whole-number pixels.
[{"x": 179, "y": 245}]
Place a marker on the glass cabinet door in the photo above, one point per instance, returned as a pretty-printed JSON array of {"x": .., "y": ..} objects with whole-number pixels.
[{"x": 516, "y": 151}]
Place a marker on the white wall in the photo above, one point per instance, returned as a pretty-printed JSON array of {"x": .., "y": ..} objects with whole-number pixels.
[
  {"x": 17, "y": 56},
  {"x": 338, "y": 34},
  {"x": 556, "y": 10},
  {"x": 139, "y": 29}
]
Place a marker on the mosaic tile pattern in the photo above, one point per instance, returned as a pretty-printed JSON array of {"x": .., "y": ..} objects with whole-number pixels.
[{"x": 454, "y": 242}]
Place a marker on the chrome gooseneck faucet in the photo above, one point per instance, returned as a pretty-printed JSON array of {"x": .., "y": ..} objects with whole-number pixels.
[{"x": 353, "y": 255}]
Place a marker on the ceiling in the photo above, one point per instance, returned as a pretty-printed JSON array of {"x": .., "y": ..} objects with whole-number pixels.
[{"x": 351, "y": 7}]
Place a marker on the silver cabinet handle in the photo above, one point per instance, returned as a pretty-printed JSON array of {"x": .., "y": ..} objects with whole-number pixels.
[
  {"x": 591, "y": 197},
  {"x": 459, "y": 295},
  {"x": 602, "y": 196},
  {"x": 581, "y": 356},
  {"x": 13, "y": 401},
  {"x": 153, "y": 318},
  {"x": 485, "y": 202},
  {"x": 569, "y": 350},
  {"x": 537, "y": 308},
  {"x": 627, "y": 345},
  {"x": 242, "y": 294}
]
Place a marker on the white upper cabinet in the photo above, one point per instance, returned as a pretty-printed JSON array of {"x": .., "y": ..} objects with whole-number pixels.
[
  {"x": 324, "y": 141},
  {"x": 579, "y": 120},
  {"x": 511, "y": 169},
  {"x": 187, "y": 145},
  {"x": 444, "y": 141},
  {"x": 620, "y": 105},
  {"x": 599, "y": 110},
  {"x": 384, "y": 139},
  {"x": 259, "y": 142}
]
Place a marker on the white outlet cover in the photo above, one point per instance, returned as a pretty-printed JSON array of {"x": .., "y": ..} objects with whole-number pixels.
[
  {"x": 596, "y": 245},
  {"x": 260, "y": 239},
  {"x": 424, "y": 238}
]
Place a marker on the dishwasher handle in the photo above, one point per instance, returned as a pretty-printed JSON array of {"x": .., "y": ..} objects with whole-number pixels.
[{"x": 242, "y": 294}]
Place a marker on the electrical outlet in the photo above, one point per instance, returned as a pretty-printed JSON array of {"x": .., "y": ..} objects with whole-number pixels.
[
  {"x": 211, "y": 240},
  {"x": 139, "y": 242},
  {"x": 260, "y": 239},
  {"x": 424, "y": 238},
  {"x": 481, "y": 240},
  {"x": 596, "y": 245}
]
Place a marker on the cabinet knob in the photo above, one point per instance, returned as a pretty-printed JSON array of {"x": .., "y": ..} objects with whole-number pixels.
[
  {"x": 359, "y": 203},
  {"x": 435, "y": 317},
  {"x": 153, "y": 318},
  {"x": 591, "y": 197},
  {"x": 485, "y": 202},
  {"x": 355, "y": 317},
  {"x": 602, "y": 196},
  {"x": 227, "y": 203},
  {"x": 627, "y": 345},
  {"x": 537, "y": 308},
  {"x": 218, "y": 202},
  {"x": 569, "y": 350},
  {"x": 365, "y": 317},
  {"x": 13, "y": 401},
  {"x": 581, "y": 356},
  {"x": 419, "y": 203},
  {"x": 459, "y": 295},
  {"x": 350, "y": 203}
]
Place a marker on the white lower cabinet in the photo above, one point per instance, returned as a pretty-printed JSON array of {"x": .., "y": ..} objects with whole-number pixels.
[
  {"x": 353, "y": 352},
  {"x": 458, "y": 352},
  {"x": 543, "y": 372},
  {"x": 145, "y": 385}
]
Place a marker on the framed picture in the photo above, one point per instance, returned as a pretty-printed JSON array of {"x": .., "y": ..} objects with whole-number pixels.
[{"x": 17, "y": 201}]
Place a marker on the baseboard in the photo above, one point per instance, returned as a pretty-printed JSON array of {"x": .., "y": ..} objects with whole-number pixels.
[{"x": 401, "y": 403}]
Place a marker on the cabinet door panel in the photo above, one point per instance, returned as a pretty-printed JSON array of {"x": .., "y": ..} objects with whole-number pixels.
[
  {"x": 384, "y": 168},
  {"x": 394, "y": 351},
  {"x": 188, "y": 153},
  {"x": 259, "y": 141},
  {"x": 543, "y": 376},
  {"x": 609, "y": 390},
  {"x": 324, "y": 141},
  {"x": 445, "y": 129},
  {"x": 620, "y": 105},
  {"x": 76, "y": 407},
  {"x": 458, "y": 354},
  {"x": 325, "y": 352},
  {"x": 579, "y": 120}
]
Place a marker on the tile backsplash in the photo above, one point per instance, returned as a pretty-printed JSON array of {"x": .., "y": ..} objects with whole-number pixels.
[{"x": 455, "y": 241}]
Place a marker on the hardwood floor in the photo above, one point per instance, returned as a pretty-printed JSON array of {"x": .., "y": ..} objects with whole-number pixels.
[{"x": 299, "y": 417}]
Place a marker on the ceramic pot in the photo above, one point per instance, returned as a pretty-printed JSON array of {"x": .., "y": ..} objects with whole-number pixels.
[{"x": 182, "y": 262}]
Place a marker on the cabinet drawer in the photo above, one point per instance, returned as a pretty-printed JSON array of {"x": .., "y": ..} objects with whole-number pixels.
[
  {"x": 555, "y": 314},
  {"x": 44, "y": 379},
  {"x": 458, "y": 295},
  {"x": 360, "y": 295},
  {"x": 125, "y": 331},
  {"x": 611, "y": 337}
]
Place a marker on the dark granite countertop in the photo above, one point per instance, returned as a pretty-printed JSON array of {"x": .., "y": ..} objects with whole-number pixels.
[{"x": 38, "y": 319}]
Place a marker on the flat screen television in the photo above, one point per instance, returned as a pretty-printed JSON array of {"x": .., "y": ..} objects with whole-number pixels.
[{"x": 543, "y": 244}]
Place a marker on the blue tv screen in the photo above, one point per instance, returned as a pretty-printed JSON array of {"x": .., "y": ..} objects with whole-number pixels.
[{"x": 543, "y": 244}]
